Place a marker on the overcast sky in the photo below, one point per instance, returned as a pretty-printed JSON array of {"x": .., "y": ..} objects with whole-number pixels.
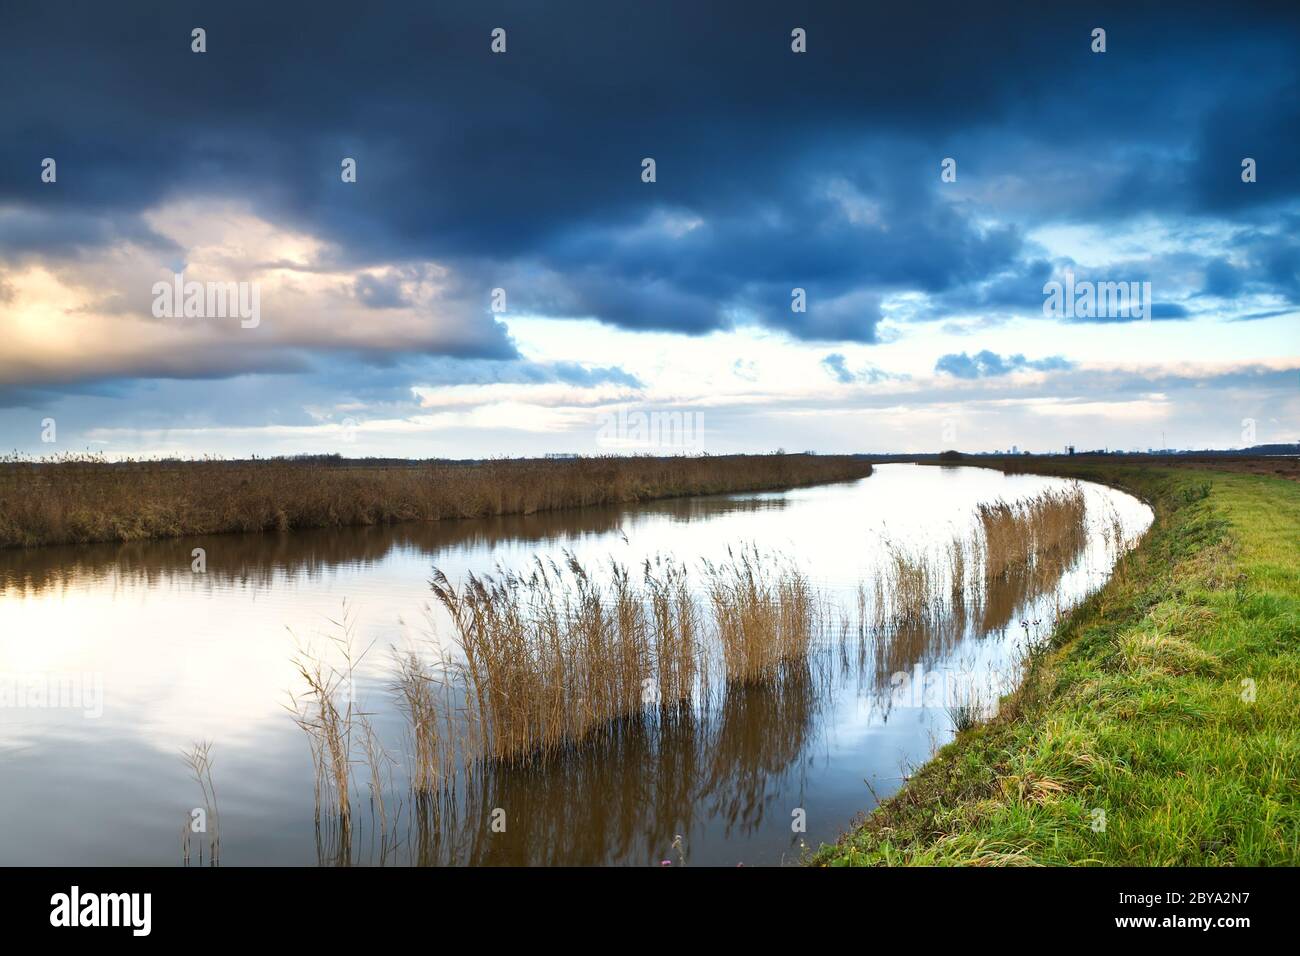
[{"x": 523, "y": 171}]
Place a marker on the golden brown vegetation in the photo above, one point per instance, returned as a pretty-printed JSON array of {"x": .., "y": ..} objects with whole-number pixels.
[
  {"x": 82, "y": 499},
  {"x": 1019, "y": 544},
  {"x": 656, "y": 778},
  {"x": 560, "y": 655},
  {"x": 423, "y": 693},
  {"x": 551, "y": 657},
  {"x": 763, "y": 616},
  {"x": 1021, "y": 534},
  {"x": 326, "y": 713}
]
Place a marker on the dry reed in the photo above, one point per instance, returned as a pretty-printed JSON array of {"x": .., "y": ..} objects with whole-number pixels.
[
  {"x": 423, "y": 697},
  {"x": 199, "y": 759},
  {"x": 763, "y": 616},
  {"x": 79, "y": 499},
  {"x": 1020, "y": 535},
  {"x": 553, "y": 655},
  {"x": 1012, "y": 543},
  {"x": 326, "y": 712},
  {"x": 556, "y": 656}
]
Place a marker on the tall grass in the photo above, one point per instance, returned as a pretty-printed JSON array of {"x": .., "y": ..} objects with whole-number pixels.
[
  {"x": 423, "y": 695},
  {"x": 327, "y": 713},
  {"x": 560, "y": 654},
  {"x": 1018, "y": 536},
  {"x": 1012, "y": 543},
  {"x": 552, "y": 655},
  {"x": 653, "y": 778},
  {"x": 957, "y": 554},
  {"x": 82, "y": 499},
  {"x": 675, "y": 632},
  {"x": 967, "y": 710},
  {"x": 199, "y": 759},
  {"x": 912, "y": 585},
  {"x": 763, "y": 616}
]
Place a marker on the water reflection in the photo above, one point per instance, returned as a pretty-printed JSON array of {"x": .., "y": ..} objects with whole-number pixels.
[
  {"x": 186, "y": 657},
  {"x": 259, "y": 560},
  {"x": 624, "y": 796},
  {"x": 641, "y": 790}
]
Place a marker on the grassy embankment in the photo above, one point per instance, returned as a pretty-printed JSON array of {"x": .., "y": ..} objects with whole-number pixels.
[
  {"x": 1168, "y": 702},
  {"x": 78, "y": 501}
]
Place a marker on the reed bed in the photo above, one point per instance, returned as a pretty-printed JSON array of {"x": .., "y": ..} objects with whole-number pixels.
[
  {"x": 655, "y": 779},
  {"x": 78, "y": 499},
  {"x": 763, "y": 616},
  {"x": 553, "y": 656},
  {"x": 547, "y": 658},
  {"x": 1021, "y": 534},
  {"x": 560, "y": 657},
  {"x": 1010, "y": 544}
]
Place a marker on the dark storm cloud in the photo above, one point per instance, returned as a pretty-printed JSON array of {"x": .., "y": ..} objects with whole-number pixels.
[
  {"x": 31, "y": 232},
  {"x": 332, "y": 389},
  {"x": 817, "y": 171},
  {"x": 392, "y": 383},
  {"x": 1222, "y": 279},
  {"x": 1260, "y": 122},
  {"x": 1017, "y": 289},
  {"x": 1160, "y": 312}
]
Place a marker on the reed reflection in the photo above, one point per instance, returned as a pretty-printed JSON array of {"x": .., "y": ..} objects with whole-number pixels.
[
  {"x": 624, "y": 796},
  {"x": 537, "y": 746},
  {"x": 258, "y": 560}
]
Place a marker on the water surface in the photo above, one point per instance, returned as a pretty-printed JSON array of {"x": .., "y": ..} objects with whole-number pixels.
[{"x": 139, "y": 656}]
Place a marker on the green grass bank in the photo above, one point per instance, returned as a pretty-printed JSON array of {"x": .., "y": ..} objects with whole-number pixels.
[{"x": 1161, "y": 724}]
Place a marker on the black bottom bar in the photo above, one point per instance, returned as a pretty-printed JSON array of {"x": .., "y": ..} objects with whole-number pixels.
[{"x": 671, "y": 904}]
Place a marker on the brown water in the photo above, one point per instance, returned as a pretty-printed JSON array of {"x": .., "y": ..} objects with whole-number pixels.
[{"x": 115, "y": 659}]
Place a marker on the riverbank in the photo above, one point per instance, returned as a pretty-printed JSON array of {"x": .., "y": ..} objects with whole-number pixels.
[
  {"x": 80, "y": 501},
  {"x": 1158, "y": 727}
]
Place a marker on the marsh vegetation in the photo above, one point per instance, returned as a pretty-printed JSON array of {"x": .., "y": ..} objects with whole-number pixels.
[
  {"x": 809, "y": 672},
  {"x": 562, "y": 659},
  {"x": 85, "y": 498}
]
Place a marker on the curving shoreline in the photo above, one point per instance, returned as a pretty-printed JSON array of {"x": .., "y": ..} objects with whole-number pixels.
[{"x": 1156, "y": 729}]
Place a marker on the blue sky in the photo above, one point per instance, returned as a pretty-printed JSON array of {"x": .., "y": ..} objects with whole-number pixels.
[{"x": 522, "y": 171}]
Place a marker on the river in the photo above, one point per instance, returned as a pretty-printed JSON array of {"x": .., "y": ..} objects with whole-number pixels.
[{"x": 115, "y": 659}]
